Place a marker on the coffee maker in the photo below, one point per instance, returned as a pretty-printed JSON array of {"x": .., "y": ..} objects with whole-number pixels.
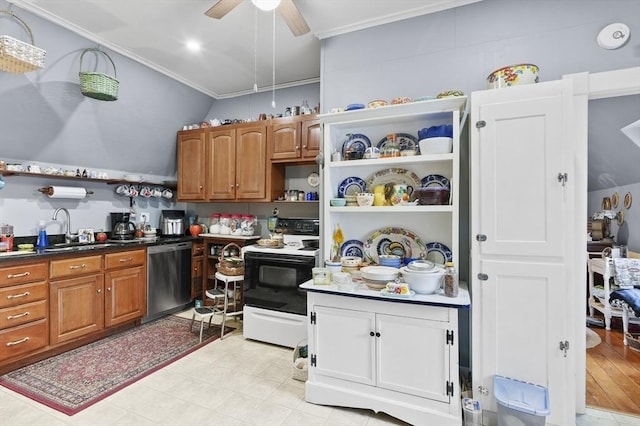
[{"x": 121, "y": 227}]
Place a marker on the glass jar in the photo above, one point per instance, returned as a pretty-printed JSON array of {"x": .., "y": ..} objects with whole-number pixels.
[
  {"x": 214, "y": 223},
  {"x": 248, "y": 223},
  {"x": 450, "y": 280},
  {"x": 225, "y": 224},
  {"x": 236, "y": 224},
  {"x": 391, "y": 147}
]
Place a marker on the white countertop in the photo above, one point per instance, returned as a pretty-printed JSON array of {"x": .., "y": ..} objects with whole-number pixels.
[{"x": 463, "y": 301}]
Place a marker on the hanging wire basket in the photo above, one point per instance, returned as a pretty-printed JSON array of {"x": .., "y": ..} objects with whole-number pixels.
[
  {"x": 19, "y": 57},
  {"x": 97, "y": 85}
]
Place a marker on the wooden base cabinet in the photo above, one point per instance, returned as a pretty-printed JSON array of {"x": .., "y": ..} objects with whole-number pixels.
[
  {"x": 23, "y": 309},
  {"x": 398, "y": 358}
]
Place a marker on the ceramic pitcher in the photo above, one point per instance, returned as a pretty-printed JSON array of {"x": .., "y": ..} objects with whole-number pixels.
[{"x": 401, "y": 194}]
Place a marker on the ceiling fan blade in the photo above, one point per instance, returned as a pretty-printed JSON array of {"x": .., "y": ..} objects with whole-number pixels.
[
  {"x": 293, "y": 18},
  {"x": 221, "y": 8}
]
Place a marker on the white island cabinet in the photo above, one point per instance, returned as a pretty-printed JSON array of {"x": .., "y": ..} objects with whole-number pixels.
[{"x": 398, "y": 356}]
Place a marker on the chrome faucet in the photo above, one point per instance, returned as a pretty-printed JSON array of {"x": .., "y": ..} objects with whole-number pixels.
[{"x": 68, "y": 236}]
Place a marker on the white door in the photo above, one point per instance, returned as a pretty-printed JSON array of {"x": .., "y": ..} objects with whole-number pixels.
[
  {"x": 413, "y": 356},
  {"x": 521, "y": 216},
  {"x": 345, "y": 344}
]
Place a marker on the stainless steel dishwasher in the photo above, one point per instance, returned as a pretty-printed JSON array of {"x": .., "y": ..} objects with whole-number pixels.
[{"x": 168, "y": 279}]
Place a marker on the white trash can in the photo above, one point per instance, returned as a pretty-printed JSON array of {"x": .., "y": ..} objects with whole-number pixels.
[
  {"x": 520, "y": 403},
  {"x": 471, "y": 412}
]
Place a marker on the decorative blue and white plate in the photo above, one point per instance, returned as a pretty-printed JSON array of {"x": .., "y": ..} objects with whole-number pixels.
[
  {"x": 435, "y": 181},
  {"x": 352, "y": 107},
  {"x": 439, "y": 253},
  {"x": 351, "y": 186},
  {"x": 355, "y": 142},
  {"x": 352, "y": 248},
  {"x": 405, "y": 141}
]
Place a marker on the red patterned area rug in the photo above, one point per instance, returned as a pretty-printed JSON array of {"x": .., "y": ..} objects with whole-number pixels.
[{"x": 74, "y": 380}]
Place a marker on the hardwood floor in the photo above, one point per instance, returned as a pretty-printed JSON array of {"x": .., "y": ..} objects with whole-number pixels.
[{"x": 613, "y": 372}]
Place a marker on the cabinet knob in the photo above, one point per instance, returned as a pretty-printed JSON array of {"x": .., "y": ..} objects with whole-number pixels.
[
  {"x": 99, "y": 290},
  {"x": 237, "y": 185},
  {"x": 372, "y": 334},
  {"x": 200, "y": 187},
  {"x": 108, "y": 288},
  {"x": 377, "y": 334}
]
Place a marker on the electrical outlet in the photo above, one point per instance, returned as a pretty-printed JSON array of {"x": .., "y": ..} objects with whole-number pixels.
[{"x": 144, "y": 217}]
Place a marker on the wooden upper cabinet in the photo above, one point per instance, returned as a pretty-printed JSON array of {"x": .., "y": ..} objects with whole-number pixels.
[
  {"x": 294, "y": 139},
  {"x": 221, "y": 164},
  {"x": 251, "y": 162},
  {"x": 191, "y": 152}
]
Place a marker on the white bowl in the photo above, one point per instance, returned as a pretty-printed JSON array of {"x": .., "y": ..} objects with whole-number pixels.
[
  {"x": 364, "y": 199},
  {"x": 439, "y": 145},
  {"x": 421, "y": 282},
  {"x": 351, "y": 261},
  {"x": 513, "y": 75},
  {"x": 382, "y": 274}
]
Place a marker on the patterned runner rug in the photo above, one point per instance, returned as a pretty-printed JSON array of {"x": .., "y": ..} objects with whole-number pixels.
[{"x": 74, "y": 380}]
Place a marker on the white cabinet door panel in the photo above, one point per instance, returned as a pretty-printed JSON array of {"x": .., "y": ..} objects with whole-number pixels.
[
  {"x": 344, "y": 346},
  {"x": 413, "y": 356},
  {"x": 519, "y": 162}
]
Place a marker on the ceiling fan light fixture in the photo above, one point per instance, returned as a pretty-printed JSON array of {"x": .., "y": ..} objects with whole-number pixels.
[{"x": 266, "y": 4}]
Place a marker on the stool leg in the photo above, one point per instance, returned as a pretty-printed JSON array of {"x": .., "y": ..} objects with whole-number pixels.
[
  {"x": 193, "y": 318},
  {"x": 201, "y": 327}
]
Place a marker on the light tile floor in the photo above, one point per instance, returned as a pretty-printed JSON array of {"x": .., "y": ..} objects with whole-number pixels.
[{"x": 229, "y": 382}]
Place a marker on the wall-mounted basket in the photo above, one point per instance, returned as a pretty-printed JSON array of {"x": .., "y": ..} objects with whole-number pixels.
[
  {"x": 97, "y": 85},
  {"x": 17, "y": 56}
]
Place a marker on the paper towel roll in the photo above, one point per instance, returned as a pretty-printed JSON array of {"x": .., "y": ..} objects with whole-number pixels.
[{"x": 66, "y": 192}]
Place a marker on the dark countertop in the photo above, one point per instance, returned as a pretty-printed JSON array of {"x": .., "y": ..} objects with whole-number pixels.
[{"x": 90, "y": 248}]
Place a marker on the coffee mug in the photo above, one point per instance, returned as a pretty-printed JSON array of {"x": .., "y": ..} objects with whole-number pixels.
[
  {"x": 156, "y": 192},
  {"x": 33, "y": 168},
  {"x": 145, "y": 192},
  {"x": 167, "y": 193},
  {"x": 122, "y": 190},
  {"x": 133, "y": 191}
]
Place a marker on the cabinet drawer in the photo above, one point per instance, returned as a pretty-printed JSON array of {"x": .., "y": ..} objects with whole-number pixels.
[
  {"x": 23, "y": 339},
  {"x": 22, "y": 314},
  {"x": 25, "y": 293},
  {"x": 197, "y": 249},
  {"x": 75, "y": 266},
  {"x": 124, "y": 258},
  {"x": 23, "y": 274}
]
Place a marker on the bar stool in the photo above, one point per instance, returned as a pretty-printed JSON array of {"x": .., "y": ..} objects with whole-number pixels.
[{"x": 232, "y": 289}]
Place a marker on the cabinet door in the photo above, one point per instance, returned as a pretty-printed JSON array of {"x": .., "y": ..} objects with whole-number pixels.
[
  {"x": 125, "y": 292},
  {"x": 311, "y": 136},
  {"x": 191, "y": 166},
  {"x": 221, "y": 165},
  {"x": 76, "y": 307},
  {"x": 522, "y": 274},
  {"x": 413, "y": 356},
  {"x": 285, "y": 139},
  {"x": 197, "y": 272},
  {"x": 251, "y": 162},
  {"x": 345, "y": 344}
]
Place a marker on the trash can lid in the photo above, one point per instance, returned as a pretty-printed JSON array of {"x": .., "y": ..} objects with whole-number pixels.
[{"x": 521, "y": 396}]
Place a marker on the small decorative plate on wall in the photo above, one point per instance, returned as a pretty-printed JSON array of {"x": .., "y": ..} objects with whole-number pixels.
[
  {"x": 614, "y": 200},
  {"x": 627, "y": 201}
]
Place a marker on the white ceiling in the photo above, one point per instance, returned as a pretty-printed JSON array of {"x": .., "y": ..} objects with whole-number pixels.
[{"x": 155, "y": 32}]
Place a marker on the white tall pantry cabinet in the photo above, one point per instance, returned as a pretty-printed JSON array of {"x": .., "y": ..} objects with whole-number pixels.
[
  {"x": 522, "y": 234},
  {"x": 396, "y": 356}
]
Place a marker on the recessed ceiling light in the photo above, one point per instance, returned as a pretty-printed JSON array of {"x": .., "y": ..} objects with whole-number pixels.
[{"x": 194, "y": 46}]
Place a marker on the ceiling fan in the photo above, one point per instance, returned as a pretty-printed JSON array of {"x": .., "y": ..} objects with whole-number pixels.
[{"x": 286, "y": 8}]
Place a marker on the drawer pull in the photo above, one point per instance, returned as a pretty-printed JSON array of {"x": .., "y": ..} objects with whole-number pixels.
[
  {"x": 22, "y": 274},
  {"x": 77, "y": 266},
  {"x": 15, "y": 296},
  {"x": 17, "y": 342},
  {"x": 127, "y": 259},
  {"x": 24, "y": 314}
]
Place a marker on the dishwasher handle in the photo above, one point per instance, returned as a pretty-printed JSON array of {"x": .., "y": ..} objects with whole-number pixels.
[{"x": 165, "y": 248}]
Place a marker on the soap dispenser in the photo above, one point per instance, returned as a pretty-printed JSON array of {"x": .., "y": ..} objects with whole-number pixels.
[{"x": 43, "y": 240}]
